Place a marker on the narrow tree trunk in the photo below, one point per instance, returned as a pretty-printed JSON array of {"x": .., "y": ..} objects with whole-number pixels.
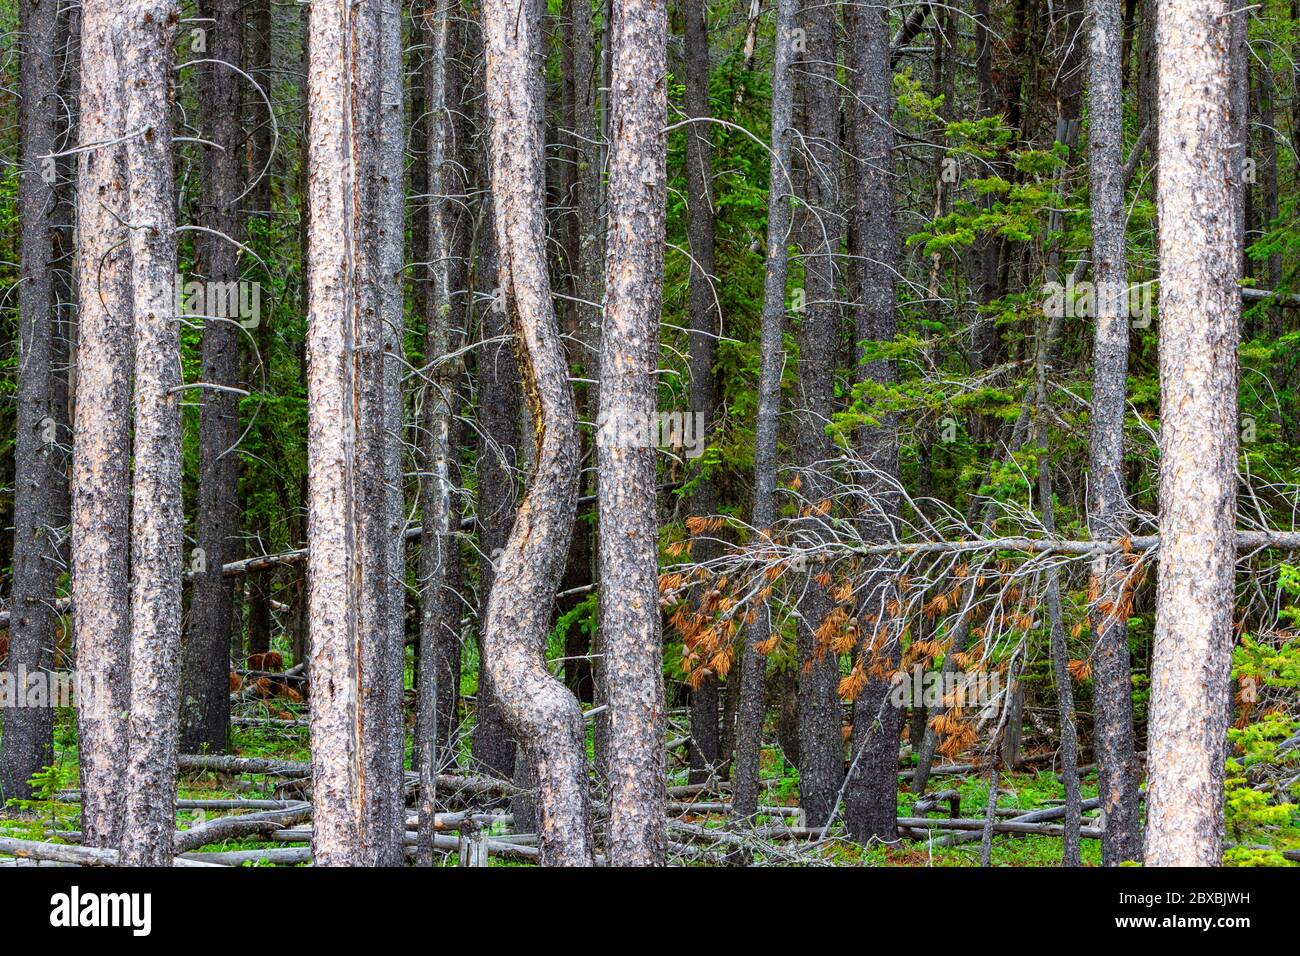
[
  {"x": 205, "y": 695},
  {"x": 1108, "y": 500},
  {"x": 28, "y": 741},
  {"x": 705, "y": 327},
  {"x": 101, "y": 449},
  {"x": 143, "y": 34},
  {"x": 1199, "y": 309},
  {"x": 749, "y": 720},
  {"x": 625, "y": 447},
  {"x": 542, "y": 712}
]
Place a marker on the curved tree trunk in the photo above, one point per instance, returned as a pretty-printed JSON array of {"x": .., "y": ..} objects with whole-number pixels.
[{"x": 543, "y": 713}]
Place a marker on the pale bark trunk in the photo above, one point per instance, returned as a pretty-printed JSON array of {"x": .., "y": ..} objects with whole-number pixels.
[
  {"x": 749, "y": 721},
  {"x": 543, "y": 713},
  {"x": 143, "y": 33},
  {"x": 101, "y": 450},
  {"x": 1199, "y": 309},
  {"x": 625, "y": 451}
]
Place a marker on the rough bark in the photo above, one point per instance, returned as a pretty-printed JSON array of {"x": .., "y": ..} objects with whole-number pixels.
[
  {"x": 1199, "y": 310},
  {"x": 205, "y": 697},
  {"x": 870, "y": 795},
  {"x": 143, "y": 33},
  {"x": 39, "y": 483},
  {"x": 1107, "y": 497},
  {"x": 625, "y": 449},
  {"x": 102, "y": 449},
  {"x": 749, "y": 720},
  {"x": 821, "y": 748},
  {"x": 542, "y": 712}
]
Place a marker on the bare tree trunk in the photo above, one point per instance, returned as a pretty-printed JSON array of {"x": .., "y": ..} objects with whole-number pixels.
[
  {"x": 143, "y": 33},
  {"x": 542, "y": 712},
  {"x": 205, "y": 695},
  {"x": 705, "y": 326},
  {"x": 749, "y": 721},
  {"x": 625, "y": 448},
  {"x": 1199, "y": 310},
  {"x": 353, "y": 330},
  {"x": 101, "y": 449},
  {"x": 1108, "y": 500},
  {"x": 870, "y": 796},
  {"x": 821, "y": 746},
  {"x": 28, "y": 741}
]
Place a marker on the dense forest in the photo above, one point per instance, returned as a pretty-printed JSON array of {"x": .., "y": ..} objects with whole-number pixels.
[{"x": 634, "y": 432}]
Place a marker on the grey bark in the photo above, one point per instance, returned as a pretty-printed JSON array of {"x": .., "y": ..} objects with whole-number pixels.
[
  {"x": 870, "y": 795},
  {"x": 749, "y": 719},
  {"x": 39, "y": 478},
  {"x": 705, "y": 325},
  {"x": 625, "y": 449},
  {"x": 1199, "y": 313},
  {"x": 1107, "y": 498},
  {"x": 143, "y": 34},
  {"x": 205, "y": 697},
  {"x": 821, "y": 748},
  {"x": 542, "y": 712}
]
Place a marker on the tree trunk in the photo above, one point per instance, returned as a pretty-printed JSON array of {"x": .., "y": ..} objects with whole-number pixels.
[
  {"x": 625, "y": 446},
  {"x": 821, "y": 746},
  {"x": 749, "y": 720},
  {"x": 205, "y": 695},
  {"x": 543, "y": 713},
  {"x": 1108, "y": 501},
  {"x": 870, "y": 796},
  {"x": 705, "y": 327},
  {"x": 101, "y": 449},
  {"x": 28, "y": 741},
  {"x": 143, "y": 34},
  {"x": 1199, "y": 310}
]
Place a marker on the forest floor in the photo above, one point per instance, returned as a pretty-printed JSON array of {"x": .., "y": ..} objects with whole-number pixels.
[{"x": 51, "y": 813}]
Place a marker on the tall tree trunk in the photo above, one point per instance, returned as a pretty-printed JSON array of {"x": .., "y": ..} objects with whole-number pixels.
[
  {"x": 821, "y": 747},
  {"x": 543, "y": 713},
  {"x": 749, "y": 720},
  {"x": 28, "y": 741},
  {"x": 143, "y": 34},
  {"x": 625, "y": 449},
  {"x": 1199, "y": 311},
  {"x": 205, "y": 695},
  {"x": 102, "y": 436},
  {"x": 1108, "y": 499},
  {"x": 705, "y": 327},
  {"x": 354, "y": 330},
  {"x": 870, "y": 796}
]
